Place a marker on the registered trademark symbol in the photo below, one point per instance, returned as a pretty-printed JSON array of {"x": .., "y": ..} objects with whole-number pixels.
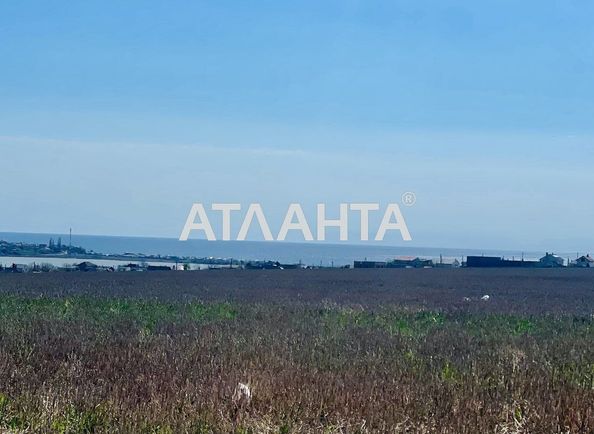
[{"x": 409, "y": 198}]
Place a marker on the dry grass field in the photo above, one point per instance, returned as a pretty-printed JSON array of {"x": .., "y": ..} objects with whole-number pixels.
[{"x": 322, "y": 351}]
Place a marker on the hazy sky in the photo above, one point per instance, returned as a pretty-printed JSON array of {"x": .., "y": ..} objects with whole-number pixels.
[{"x": 115, "y": 116}]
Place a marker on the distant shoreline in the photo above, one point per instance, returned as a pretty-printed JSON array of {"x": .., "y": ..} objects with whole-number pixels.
[
  {"x": 57, "y": 250},
  {"x": 311, "y": 254}
]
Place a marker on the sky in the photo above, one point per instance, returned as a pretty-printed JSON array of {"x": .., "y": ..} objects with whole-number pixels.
[{"x": 116, "y": 116}]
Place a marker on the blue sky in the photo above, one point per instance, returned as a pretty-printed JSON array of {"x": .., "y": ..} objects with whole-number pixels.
[{"x": 116, "y": 116}]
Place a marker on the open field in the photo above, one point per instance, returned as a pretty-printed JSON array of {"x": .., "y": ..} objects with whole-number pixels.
[{"x": 354, "y": 351}]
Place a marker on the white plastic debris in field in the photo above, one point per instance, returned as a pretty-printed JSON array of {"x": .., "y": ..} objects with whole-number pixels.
[
  {"x": 242, "y": 395},
  {"x": 485, "y": 298}
]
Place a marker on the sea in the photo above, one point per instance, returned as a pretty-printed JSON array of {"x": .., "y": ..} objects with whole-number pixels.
[{"x": 316, "y": 254}]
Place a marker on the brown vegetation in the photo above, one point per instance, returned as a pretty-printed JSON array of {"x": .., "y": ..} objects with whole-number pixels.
[{"x": 354, "y": 351}]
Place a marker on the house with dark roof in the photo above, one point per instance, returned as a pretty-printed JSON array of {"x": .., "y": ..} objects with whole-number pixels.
[
  {"x": 86, "y": 266},
  {"x": 410, "y": 262},
  {"x": 18, "y": 268},
  {"x": 158, "y": 268},
  {"x": 369, "y": 264},
  {"x": 583, "y": 262},
  {"x": 130, "y": 267},
  {"x": 263, "y": 265},
  {"x": 497, "y": 262},
  {"x": 550, "y": 260},
  {"x": 448, "y": 263}
]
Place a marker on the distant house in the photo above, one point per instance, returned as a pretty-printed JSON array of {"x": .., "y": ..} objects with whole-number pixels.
[
  {"x": 584, "y": 262},
  {"x": 18, "y": 268},
  {"x": 86, "y": 266},
  {"x": 497, "y": 262},
  {"x": 297, "y": 266},
  {"x": 369, "y": 264},
  {"x": 129, "y": 267},
  {"x": 402, "y": 262},
  {"x": 484, "y": 262},
  {"x": 263, "y": 265},
  {"x": 158, "y": 268},
  {"x": 448, "y": 263},
  {"x": 422, "y": 263},
  {"x": 551, "y": 260},
  {"x": 409, "y": 262}
]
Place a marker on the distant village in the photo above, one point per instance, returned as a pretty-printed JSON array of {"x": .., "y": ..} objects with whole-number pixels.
[
  {"x": 88, "y": 266},
  {"x": 549, "y": 260},
  {"x": 52, "y": 248},
  {"x": 129, "y": 262},
  {"x": 39, "y": 258}
]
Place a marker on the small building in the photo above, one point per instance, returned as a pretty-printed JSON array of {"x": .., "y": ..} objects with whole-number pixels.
[
  {"x": 484, "y": 262},
  {"x": 263, "y": 265},
  {"x": 402, "y": 262},
  {"x": 550, "y": 260},
  {"x": 369, "y": 264},
  {"x": 583, "y": 262},
  {"x": 422, "y": 263},
  {"x": 86, "y": 266},
  {"x": 410, "y": 262},
  {"x": 497, "y": 262},
  {"x": 448, "y": 263},
  {"x": 297, "y": 266},
  {"x": 18, "y": 268},
  {"x": 158, "y": 268},
  {"x": 130, "y": 267}
]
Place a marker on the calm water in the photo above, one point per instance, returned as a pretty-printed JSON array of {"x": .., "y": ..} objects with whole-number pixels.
[{"x": 307, "y": 253}]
